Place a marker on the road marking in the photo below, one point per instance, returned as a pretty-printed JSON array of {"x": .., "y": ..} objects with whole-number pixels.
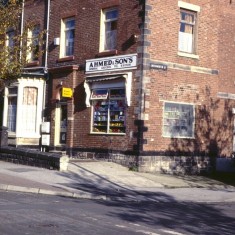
[
  {"x": 120, "y": 226},
  {"x": 135, "y": 224},
  {"x": 146, "y": 232},
  {"x": 171, "y": 232}
]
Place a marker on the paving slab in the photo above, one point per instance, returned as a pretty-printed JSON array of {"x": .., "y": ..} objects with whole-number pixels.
[{"x": 102, "y": 180}]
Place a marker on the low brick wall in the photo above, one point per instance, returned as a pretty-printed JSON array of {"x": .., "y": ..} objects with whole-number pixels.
[
  {"x": 225, "y": 165},
  {"x": 34, "y": 158},
  {"x": 129, "y": 161},
  {"x": 175, "y": 164}
]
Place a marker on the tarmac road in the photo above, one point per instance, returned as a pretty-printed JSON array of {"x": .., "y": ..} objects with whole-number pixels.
[{"x": 36, "y": 214}]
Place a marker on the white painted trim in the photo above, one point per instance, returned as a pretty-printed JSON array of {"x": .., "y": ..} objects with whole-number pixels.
[
  {"x": 189, "y": 6},
  {"x": 128, "y": 84}
]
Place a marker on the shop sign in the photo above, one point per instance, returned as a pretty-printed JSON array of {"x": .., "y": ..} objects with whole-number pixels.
[
  {"x": 158, "y": 66},
  {"x": 67, "y": 92},
  {"x": 123, "y": 62}
]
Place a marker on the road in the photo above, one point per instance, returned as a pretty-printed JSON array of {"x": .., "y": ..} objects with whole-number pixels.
[{"x": 39, "y": 214}]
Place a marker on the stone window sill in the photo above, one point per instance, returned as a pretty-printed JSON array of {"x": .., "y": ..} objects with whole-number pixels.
[
  {"x": 32, "y": 63},
  {"x": 65, "y": 59},
  {"x": 188, "y": 55},
  {"x": 107, "y": 53}
]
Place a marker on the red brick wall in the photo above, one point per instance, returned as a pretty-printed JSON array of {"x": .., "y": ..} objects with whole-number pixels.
[
  {"x": 216, "y": 50},
  {"x": 34, "y": 13},
  {"x": 87, "y": 33}
]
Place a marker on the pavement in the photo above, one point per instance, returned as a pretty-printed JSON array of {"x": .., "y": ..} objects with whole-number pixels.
[{"x": 100, "y": 180}]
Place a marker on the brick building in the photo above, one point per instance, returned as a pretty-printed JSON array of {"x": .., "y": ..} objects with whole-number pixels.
[{"x": 141, "y": 81}]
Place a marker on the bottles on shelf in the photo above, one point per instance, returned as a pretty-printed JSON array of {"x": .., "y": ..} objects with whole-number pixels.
[{"x": 109, "y": 116}]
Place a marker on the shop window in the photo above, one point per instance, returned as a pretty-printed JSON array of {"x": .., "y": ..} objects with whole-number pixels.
[
  {"x": 33, "y": 44},
  {"x": 29, "y": 109},
  {"x": 178, "y": 120},
  {"x": 12, "y": 109},
  {"x": 108, "y": 39},
  {"x": 67, "y": 37},
  {"x": 109, "y": 111}
]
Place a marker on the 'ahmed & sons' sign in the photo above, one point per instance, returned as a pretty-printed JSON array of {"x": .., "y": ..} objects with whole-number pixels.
[{"x": 112, "y": 63}]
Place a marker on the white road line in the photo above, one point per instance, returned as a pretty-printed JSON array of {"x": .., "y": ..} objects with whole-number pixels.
[{"x": 171, "y": 232}]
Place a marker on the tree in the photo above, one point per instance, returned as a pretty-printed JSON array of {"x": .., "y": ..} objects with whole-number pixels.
[{"x": 15, "y": 42}]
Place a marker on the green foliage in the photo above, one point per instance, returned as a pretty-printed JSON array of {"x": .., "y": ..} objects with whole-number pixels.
[{"x": 15, "y": 45}]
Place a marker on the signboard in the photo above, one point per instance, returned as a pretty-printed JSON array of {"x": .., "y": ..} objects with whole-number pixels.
[
  {"x": 46, "y": 140},
  {"x": 45, "y": 127},
  {"x": 158, "y": 66},
  {"x": 67, "y": 92},
  {"x": 123, "y": 62}
]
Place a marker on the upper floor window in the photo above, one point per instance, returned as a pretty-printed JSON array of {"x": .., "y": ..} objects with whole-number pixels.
[
  {"x": 187, "y": 31},
  {"x": 10, "y": 39},
  {"x": 108, "y": 39},
  {"x": 67, "y": 37},
  {"x": 10, "y": 43},
  {"x": 33, "y": 43},
  {"x": 187, "y": 44}
]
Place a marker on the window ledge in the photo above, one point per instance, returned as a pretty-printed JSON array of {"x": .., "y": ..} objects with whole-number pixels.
[
  {"x": 178, "y": 137},
  {"x": 107, "y": 53},
  {"x": 188, "y": 55},
  {"x": 103, "y": 133},
  {"x": 32, "y": 63},
  {"x": 64, "y": 59}
]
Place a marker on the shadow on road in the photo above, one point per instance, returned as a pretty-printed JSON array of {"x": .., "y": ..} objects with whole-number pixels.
[{"x": 186, "y": 218}]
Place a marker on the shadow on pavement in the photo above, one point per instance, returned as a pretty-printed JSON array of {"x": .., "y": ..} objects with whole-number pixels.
[
  {"x": 90, "y": 182},
  {"x": 224, "y": 177}
]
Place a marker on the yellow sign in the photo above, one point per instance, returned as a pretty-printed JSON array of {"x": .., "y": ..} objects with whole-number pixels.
[{"x": 67, "y": 92}]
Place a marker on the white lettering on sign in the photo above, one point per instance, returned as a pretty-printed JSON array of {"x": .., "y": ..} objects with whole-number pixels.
[{"x": 112, "y": 63}]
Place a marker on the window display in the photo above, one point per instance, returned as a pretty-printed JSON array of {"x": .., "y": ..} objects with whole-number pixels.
[{"x": 109, "y": 114}]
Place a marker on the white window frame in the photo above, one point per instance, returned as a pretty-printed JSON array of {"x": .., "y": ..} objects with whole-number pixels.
[
  {"x": 6, "y": 105},
  {"x": 103, "y": 22},
  {"x": 63, "y": 39},
  {"x": 178, "y": 118},
  {"x": 188, "y": 52}
]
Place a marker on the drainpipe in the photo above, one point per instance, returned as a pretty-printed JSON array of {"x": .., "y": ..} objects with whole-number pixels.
[
  {"x": 46, "y": 65},
  {"x": 46, "y": 55},
  {"x": 47, "y": 33},
  {"x": 21, "y": 28}
]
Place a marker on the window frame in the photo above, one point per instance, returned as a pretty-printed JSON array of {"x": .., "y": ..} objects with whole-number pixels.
[
  {"x": 193, "y": 27},
  {"x": 10, "y": 45},
  {"x": 63, "y": 38},
  {"x": 114, "y": 106},
  {"x": 33, "y": 39},
  {"x": 11, "y": 95},
  {"x": 181, "y": 119},
  {"x": 192, "y": 9},
  {"x": 103, "y": 22}
]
